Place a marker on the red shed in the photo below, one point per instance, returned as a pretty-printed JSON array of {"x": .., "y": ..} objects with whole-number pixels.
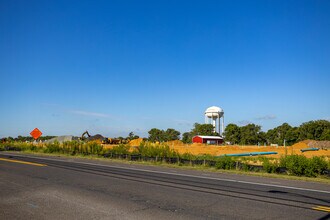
[{"x": 207, "y": 139}]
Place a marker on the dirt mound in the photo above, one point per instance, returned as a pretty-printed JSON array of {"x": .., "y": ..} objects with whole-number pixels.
[
  {"x": 135, "y": 142},
  {"x": 312, "y": 143},
  {"x": 319, "y": 144},
  {"x": 300, "y": 145},
  {"x": 97, "y": 137}
]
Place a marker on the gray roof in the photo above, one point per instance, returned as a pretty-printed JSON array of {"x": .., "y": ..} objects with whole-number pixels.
[{"x": 61, "y": 139}]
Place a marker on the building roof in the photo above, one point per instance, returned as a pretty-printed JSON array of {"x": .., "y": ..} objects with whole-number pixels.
[{"x": 210, "y": 137}]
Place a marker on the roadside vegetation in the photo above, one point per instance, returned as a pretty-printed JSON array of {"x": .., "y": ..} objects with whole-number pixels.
[{"x": 295, "y": 165}]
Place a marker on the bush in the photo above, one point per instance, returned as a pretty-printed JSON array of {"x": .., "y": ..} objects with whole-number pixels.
[
  {"x": 120, "y": 149},
  {"x": 188, "y": 156},
  {"x": 19, "y": 146},
  {"x": 94, "y": 148},
  {"x": 206, "y": 157},
  {"x": 147, "y": 149},
  {"x": 268, "y": 166},
  {"x": 52, "y": 148},
  {"x": 225, "y": 163},
  {"x": 316, "y": 166},
  {"x": 73, "y": 147},
  {"x": 295, "y": 164},
  {"x": 300, "y": 165}
]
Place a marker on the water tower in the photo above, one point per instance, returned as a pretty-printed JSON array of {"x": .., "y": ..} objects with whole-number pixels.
[{"x": 212, "y": 114}]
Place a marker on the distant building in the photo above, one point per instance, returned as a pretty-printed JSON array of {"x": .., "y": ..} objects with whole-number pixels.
[
  {"x": 216, "y": 140},
  {"x": 61, "y": 139}
]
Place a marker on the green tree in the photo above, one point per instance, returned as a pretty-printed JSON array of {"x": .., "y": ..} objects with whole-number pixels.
[
  {"x": 291, "y": 136},
  {"x": 325, "y": 135},
  {"x": 171, "y": 134},
  {"x": 262, "y": 137},
  {"x": 132, "y": 136},
  {"x": 203, "y": 129},
  {"x": 314, "y": 130},
  {"x": 283, "y": 132},
  {"x": 250, "y": 134},
  {"x": 232, "y": 133},
  {"x": 187, "y": 137},
  {"x": 156, "y": 135}
]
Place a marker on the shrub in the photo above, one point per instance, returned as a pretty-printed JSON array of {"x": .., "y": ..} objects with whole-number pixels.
[
  {"x": 75, "y": 147},
  {"x": 94, "y": 148},
  {"x": 316, "y": 166},
  {"x": 52, "y": 147},
  {"x": 20, "y": 146},
  {"x": 206, "y": 157},
  {"x": 120, "y": 149},
  {"x": 245, "y": 167},
  {"x": 268, "y": 166},
  {"x": 187, "y": 156},
  {"x": 295, "y": 164},
  {"x": 148, "y": 149},
  {"x": 300, "y": 165},
  {"x": 225, "y": 163}
]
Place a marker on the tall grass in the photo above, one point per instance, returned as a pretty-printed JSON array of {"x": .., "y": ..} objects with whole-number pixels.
[
  {"x": 147, "y": 149},
  {"x": 225, "y": 163},
  {"x": 71, "y": 147}
]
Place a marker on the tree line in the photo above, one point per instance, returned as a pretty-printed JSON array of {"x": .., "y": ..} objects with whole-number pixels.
[
  {"x": 20, "y": 138},
  {"x": 251, "y": 134}
]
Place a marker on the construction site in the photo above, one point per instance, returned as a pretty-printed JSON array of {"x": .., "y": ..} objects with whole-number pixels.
[{"x": 307, "y": 148}]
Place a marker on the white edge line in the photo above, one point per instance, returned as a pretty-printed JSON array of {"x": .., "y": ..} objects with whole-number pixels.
[{"x": 178, "y": 174}]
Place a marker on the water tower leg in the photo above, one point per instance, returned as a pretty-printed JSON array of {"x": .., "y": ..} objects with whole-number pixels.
[
  {"x": 223, "y": 123},
  {"x": 214, "y": 124},
  {"x": 219, "y": 130}
]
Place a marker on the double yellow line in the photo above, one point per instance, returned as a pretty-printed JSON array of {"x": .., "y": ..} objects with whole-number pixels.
[
  {"x": 322, "y": 208},
  {"x": 23, "y": 162}
]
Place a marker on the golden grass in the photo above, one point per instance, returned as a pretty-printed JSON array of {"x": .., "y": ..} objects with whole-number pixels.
[{"x": 200, "y": 149}]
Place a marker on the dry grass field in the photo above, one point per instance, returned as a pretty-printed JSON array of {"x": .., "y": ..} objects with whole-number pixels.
[{"x": 200, "y": 149}]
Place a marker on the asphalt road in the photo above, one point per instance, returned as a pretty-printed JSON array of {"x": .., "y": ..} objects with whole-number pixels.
[{"x": 34, "y": 187}]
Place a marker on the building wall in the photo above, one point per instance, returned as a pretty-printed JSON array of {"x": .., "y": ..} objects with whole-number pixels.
[
  {"x": 197, "y": 139},
  {"x": 212, "y": 141}
]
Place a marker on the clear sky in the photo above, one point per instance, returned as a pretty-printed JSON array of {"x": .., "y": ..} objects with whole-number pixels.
[{"x": 112, "y": 67}]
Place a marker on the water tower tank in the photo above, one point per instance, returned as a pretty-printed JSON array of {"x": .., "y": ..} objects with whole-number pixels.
[{"x": 214, "y": 113}]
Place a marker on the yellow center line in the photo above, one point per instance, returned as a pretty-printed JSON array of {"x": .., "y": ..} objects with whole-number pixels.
[
  {"x": 23, "y": 162},
  {"x": 322, "y": 208}
]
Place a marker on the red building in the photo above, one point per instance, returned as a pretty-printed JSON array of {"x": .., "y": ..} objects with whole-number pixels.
[{"x": 216, "y": 140}]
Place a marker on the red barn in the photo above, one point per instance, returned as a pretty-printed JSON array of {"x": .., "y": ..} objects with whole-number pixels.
[{"x": 216, "y": 140}]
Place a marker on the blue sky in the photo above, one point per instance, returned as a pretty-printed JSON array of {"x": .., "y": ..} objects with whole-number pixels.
[{"x": 112, "y": 67}]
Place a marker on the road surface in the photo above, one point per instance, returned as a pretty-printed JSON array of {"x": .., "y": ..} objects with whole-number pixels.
[{"x": 39, "y": 187}]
